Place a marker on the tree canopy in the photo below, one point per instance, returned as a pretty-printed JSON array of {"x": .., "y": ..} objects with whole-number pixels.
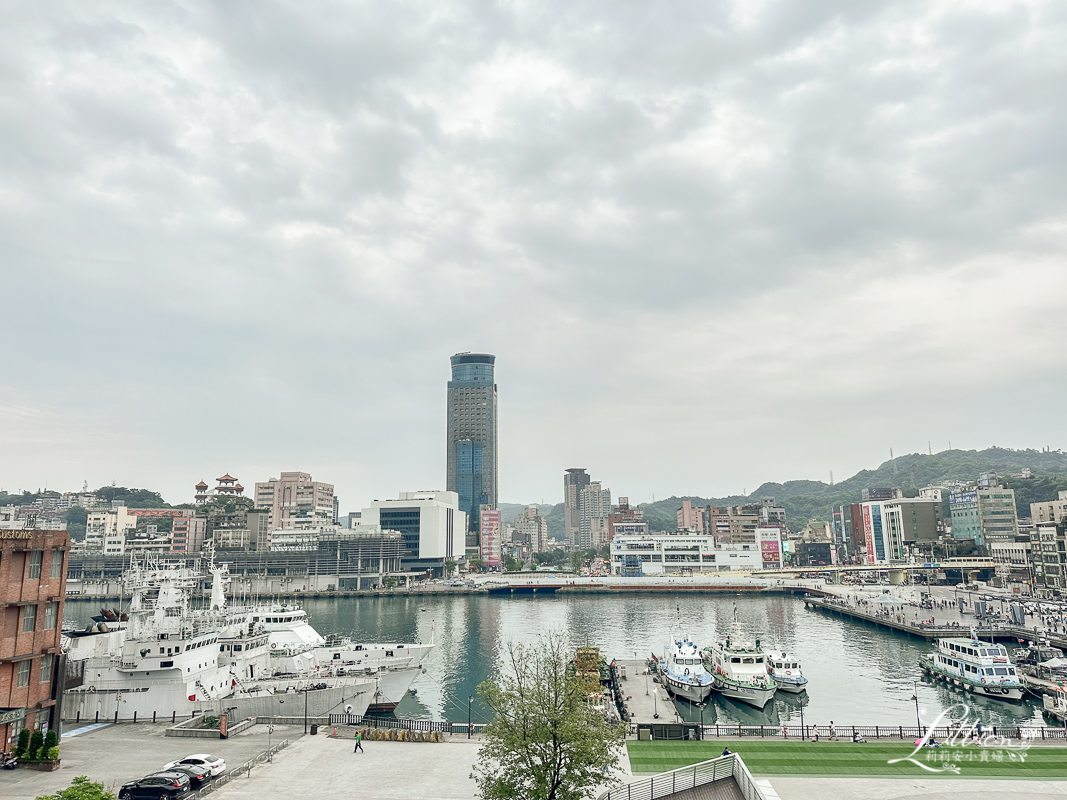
[
  {"x": 546, "y": 741},
  {"x": 81, "y": 788}
]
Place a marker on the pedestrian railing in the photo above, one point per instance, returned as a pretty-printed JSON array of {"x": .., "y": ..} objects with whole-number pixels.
[
  {"x": 846, "y": 732},
  {"x": 244, "y": 770},
  {"x": 422, "y": 725},
  {"x": 679, "y": 780}
]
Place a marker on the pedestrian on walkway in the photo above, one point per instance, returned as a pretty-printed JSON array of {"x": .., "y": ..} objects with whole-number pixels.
[
  {"x": 815, "y": 733},
  {"x": 359, "y": 743},
  {"x": 833, "y": 732}
]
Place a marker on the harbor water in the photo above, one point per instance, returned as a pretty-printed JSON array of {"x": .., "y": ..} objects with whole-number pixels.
[{"x": 858, "y": 674}]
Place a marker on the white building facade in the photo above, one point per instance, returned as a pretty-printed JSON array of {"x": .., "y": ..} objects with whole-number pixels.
[
  {"x": 681, "y": 552},
  {"x": 432, "y": 526}
]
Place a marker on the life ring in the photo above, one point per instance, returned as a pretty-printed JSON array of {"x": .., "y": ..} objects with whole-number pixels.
[
  {"x": 983, "y": 680},
  {"x": 273, "y": 645},
  {"x": 687, "y": 670},
  {"x": 788, "y": 672},
  {"x": 92, "y": 690}
]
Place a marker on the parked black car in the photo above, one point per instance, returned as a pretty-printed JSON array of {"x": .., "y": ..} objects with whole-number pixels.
[
  {"x": 199, "y": 774},
  {"x": 157, "y": 786}
]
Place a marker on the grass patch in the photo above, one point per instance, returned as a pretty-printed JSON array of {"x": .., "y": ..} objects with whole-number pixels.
[{"x": 845, "y": 758}]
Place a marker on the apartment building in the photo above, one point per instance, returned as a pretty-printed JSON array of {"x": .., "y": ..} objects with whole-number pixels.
[{"x": 295, "y": 500}]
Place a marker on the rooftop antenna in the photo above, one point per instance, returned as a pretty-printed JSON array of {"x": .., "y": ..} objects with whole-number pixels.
[
  {"x": 831, "y": 477},
  {"x": 929, "y": 447}
]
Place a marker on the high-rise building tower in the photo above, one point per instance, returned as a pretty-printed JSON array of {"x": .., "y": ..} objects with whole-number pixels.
[
  {"x": 574, "y": 480},
  {"x": 472, "y": 449}
]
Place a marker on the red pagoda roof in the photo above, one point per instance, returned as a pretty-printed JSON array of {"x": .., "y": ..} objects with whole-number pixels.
[
  {"x": 226, "y": 477},
  {"x": 238, "y": 486},
  {"x": 201, "y": 485}
]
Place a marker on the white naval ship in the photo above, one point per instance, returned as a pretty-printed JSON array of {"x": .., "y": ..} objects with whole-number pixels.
[{"x": 170, "y": 660}]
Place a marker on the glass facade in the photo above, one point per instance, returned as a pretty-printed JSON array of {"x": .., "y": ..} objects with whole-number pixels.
[
  {"x": 472, "y": 436},
  {"x": 406, "y": 522}
]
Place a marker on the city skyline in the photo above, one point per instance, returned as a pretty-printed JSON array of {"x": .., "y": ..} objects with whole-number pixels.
[{"x": 710, "y": 246}]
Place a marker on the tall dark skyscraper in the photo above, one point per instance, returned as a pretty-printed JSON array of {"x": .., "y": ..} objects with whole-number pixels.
[{"x": 472, "y": 449}]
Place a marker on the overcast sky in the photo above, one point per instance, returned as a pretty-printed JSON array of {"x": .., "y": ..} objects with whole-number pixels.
[{"x": 711, "y": 243}]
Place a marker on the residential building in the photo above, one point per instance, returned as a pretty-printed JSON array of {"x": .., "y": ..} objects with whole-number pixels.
[
  {"x": 233, "y": 523},
  {"x": 627, "y": 520},
  {"x": 471, "y": 470},
  {"x": 295, "y": 500},
  {"x": 574, "y": 480},
  {"x": 188, "y": 532},
  {"x": 984, "y": 515},
  {"x": 33, "y": 580},
  {"x": 1013, "y": 559},
  {"x": 431, "y": 525},
  {"x": 489, "y": 538},
  {"x": 533, "y": 528},
  {"x": 106, "y": 530},
  {"x": 594, "y": 507},
  {"x": 920, "y": 517},
  {"x": 688, "y": 518},
  {"x": 1050, "y": 511},
  {"x": 1048, "y": 551},
  {"x": 734, "y": 524}
]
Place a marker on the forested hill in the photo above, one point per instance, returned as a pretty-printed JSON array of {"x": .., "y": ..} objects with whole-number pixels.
[{"x": 804, "y": 500}]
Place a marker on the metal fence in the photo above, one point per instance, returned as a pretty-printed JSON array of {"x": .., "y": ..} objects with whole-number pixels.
[
  {"x": 244, "y": 770},
  {"x": 423, "y": 725},
  {"x": 679, "y": 780},
  {"x": 844, "y": 732}
]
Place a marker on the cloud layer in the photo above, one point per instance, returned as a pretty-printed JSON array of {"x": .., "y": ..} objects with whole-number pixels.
[{"x": 711, "y": 245}]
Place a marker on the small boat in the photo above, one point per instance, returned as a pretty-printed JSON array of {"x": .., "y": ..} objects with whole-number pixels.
[
  {"x": 786, "y": 673},
  {"x": 683, "y": 673},
  {"x": 739, "y": 669},
  {"x": 1055, "y": 705},
  {"x": 974, "y": 666}
]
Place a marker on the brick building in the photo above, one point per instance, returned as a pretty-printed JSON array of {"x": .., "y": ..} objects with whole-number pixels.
[{"x": 33, "y": 584}]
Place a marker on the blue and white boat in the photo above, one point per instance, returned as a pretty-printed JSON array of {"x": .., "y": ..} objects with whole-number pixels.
[
  {"x": 974, "y": 666},
  {"x": 682, "y": 671},
  {"x": 786, "y": 673}
]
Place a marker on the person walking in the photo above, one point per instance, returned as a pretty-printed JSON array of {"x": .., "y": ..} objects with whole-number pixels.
[
  {"x": 833, "y": 732},
  {"x": 815, "y": 733},
  {"x": 359, "y": 743}
]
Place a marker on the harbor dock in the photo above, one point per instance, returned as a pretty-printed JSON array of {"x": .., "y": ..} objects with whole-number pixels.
[
  {"x": 900, "y": 623},
  {"x": 645, "y": 700}
]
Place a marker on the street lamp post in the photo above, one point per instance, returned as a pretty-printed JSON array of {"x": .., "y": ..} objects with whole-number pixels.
[
  {"x": 655, "y": 704},
  {"x": 915, "y": 697},
  {"x": 470, "y": 727},
  {"x": 305, "y": 709},
  {"x": 803, "y": 734},
  {"x": 701, "y": 707}
]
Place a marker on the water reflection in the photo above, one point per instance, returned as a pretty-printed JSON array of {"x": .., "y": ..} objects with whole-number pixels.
[{"x": 858, "y": 674}]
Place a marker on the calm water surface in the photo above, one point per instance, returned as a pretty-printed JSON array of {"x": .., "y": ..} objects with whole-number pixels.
[{"x": 858, "y": 675}]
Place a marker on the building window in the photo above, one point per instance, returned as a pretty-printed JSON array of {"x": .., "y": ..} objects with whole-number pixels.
[
  {"x": 29, "y": 618},
  {"x": 57, "y": 564},
  {"x": 23, "y": 679},
  {"x": 51, "y": 613},
  {"x": 35, "y": 565},
  {"x": 46, "y": 669}
]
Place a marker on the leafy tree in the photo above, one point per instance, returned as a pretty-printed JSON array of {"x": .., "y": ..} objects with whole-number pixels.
[
  {"x": 81, "y": 788},
  {"x": 75, "y": 518},
  {"x": 577, "y": 558},
  {"x": 450, "y": 567},
  {"x": 546, "y": 741},
  {"x": 51, "y": 739},
  {"x": 133, "y": 498},
  {"x": 511, "y": 564}
]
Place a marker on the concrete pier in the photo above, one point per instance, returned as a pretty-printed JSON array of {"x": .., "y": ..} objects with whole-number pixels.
[{"x": 641, "y": 706}]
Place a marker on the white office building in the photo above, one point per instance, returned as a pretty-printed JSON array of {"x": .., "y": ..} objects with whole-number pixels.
[
  {"x": 431, "y": 525},
  {"x": 682, "y": 552}
]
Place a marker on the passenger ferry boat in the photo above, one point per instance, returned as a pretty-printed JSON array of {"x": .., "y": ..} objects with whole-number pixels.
[
  {"x": 786, "y": 673},
  {"x": 974, "y": 666},
  {"x": 739, "y": 669},
  {"x": 683, "y": 673}
]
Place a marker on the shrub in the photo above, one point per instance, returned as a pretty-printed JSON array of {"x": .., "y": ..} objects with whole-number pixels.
[
  {"x": 51, "y": 739},
  {"x": 53, "y": 753},
  {"x": 36, "y": 740},
  {"x": 23, "y": 744}
]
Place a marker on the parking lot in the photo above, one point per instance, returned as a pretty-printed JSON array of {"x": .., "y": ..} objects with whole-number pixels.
[{"x": 114, "y": 754}]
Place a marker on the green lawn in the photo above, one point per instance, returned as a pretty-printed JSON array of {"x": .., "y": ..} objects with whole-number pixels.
[{"x": 765, "y": 757}]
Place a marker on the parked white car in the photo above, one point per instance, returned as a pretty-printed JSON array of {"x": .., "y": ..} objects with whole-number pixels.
[{"x": 214, "y": 764}]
